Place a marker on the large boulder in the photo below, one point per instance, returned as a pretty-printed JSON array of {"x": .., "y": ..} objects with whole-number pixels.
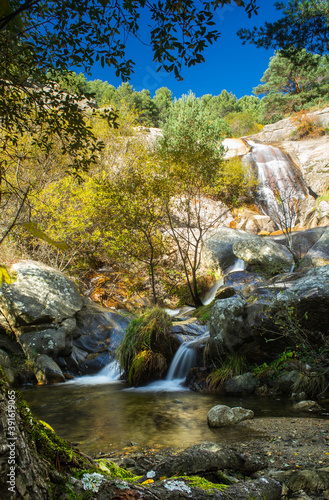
[
  {"x": 39, "y": 295},
  {"x": 97, "y": 334},
  {"x": 221, "y": 415},
  {"x": 227, "y": 323},
  {"x": 54, "y": 327},
  {"x": 246, "y": 324},
  {"x": 302, "y": 241},
  {"x": 226, "y": 246},
  {"x": 266, "y": 255},
  {"x": 244, "y": 384},
  {"x": 217, "y": 250},
  {"x": 318, "y": 255},
  {"x": 47, "y": 371}
]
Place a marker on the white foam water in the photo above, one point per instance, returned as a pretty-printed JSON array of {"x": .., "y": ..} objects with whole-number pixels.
[
  {"x": 180, "y": 366},
  {"x": 109, "y": 374}
]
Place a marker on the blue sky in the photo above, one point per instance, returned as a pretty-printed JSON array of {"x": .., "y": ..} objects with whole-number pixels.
[{"x": 229, "y": 64}]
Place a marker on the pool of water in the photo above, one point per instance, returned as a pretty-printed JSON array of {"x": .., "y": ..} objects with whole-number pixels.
[{"x": 107, "y": 417}]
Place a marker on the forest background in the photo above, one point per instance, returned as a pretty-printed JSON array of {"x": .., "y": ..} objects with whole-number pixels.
[{"x": 81, "y": 187}]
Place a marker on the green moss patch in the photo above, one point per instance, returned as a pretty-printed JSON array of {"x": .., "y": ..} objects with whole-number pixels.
[{"x": 201, "y": 483}]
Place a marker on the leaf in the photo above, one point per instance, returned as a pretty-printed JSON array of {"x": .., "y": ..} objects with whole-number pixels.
[
  {"x": 4, "y": 276},
  {"x": 32, "y": 228}
]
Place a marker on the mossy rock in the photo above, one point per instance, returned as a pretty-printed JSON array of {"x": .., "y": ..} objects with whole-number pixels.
[{"x": 147, "y": 347}]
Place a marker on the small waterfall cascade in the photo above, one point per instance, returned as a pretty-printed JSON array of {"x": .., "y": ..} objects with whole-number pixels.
[
  {"x": 238, "y": 265},
  {"x": 281, "y": 184},
  {"x": 109, "y": 374},
  {"x": 185, "y": 358},
  {"x": 181, "y": 364}
]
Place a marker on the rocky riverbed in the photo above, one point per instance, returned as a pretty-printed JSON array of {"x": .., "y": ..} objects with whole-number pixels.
[{"x": 293, "y": 450}]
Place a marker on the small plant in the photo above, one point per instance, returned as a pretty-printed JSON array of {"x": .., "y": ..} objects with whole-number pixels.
[
  {"x": 275, "y": 366},
  {"x": 203, "y": 313},
  {"x": 231, "y": 367},
  {"x": 143, "y": 351},
  {"x": 306, "y": 127},
  {"x": 314, "y": 384}
]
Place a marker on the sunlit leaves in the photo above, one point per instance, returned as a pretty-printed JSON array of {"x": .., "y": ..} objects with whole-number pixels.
[
  {"x": 32, "y": 228},
  {"x": 4, "y": 276}
]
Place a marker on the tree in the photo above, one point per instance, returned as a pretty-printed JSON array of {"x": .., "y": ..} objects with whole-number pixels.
[
  {"x": 292, "y": 84},
  {"x": 190, "y": 153},
  {"x": 304, "y": 25},
  {"x": 220, "y": 105},
  {"x": 131, "y": 210},
  {"x": 163, "y": 101},
  {"x": 38, "y": 37},
  {"x": 60, "y": 33}
]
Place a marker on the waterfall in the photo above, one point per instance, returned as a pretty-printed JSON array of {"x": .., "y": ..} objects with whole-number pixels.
[
  {"x": 109, "y": 374},
  {"x": 281, "y": 185},
  {"x": 182, "y": 362},
  {"x": 179, "y": 368},
  {"x": 185, "y": 359}
]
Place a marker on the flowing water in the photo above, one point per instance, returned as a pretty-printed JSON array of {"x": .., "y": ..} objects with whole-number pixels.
[
  {"x": 103, "y": 415},
  {"x": 107, "y": 417},
  {"x": 281, "y": 185}
]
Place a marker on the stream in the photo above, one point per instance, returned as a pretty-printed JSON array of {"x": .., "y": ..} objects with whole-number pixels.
[{"x": 104, "y": 417}]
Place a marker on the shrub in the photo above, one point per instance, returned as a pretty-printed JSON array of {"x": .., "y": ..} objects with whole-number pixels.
[
  {"x": 146, "y": 347},
  {"x": 306, "y": 127},
  {"x": 231, "y": 367},
  {"x": 236, "y": 183}
]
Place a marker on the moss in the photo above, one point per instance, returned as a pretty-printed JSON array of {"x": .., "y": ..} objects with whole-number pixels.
[
  {"x": 201, "y": 483},
  {"x": 146, "y": 364},
  {"x": 115, "y": 471},
  {"x": 203, "y": 313}
]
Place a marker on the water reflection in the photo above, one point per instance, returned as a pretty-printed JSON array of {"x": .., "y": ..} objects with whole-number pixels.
[{"x": 103, "y": 418}]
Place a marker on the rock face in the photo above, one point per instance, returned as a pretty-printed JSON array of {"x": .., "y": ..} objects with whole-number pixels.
[
  {"x": 267, "y": 254},
  {"x": 221, "y": 415},
  {"x": 311, "y": 156},
  {"x": 227, "y": 323},
  {"x": 244, "y": 323},
  {"x": 262, "y": 253},
  {"x": 282, "y": 129},
  {"x": 54, "y": 327}
]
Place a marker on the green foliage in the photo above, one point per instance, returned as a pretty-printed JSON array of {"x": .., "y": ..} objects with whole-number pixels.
[
  {"x": 304, "y": 24},
  {"x": 191, "y": 142},
  {"x": 190, "y": 155},
  {"x": 41, "y": 40},
  {"x": 236, "y": 183},
  {"x": 275, "y": 366},
  {"x": 292, "y": 83},
  {"x": 232, "y": 366},
  {"x": 243, "y": 123},
  {"x": 139, "y": 353}
]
